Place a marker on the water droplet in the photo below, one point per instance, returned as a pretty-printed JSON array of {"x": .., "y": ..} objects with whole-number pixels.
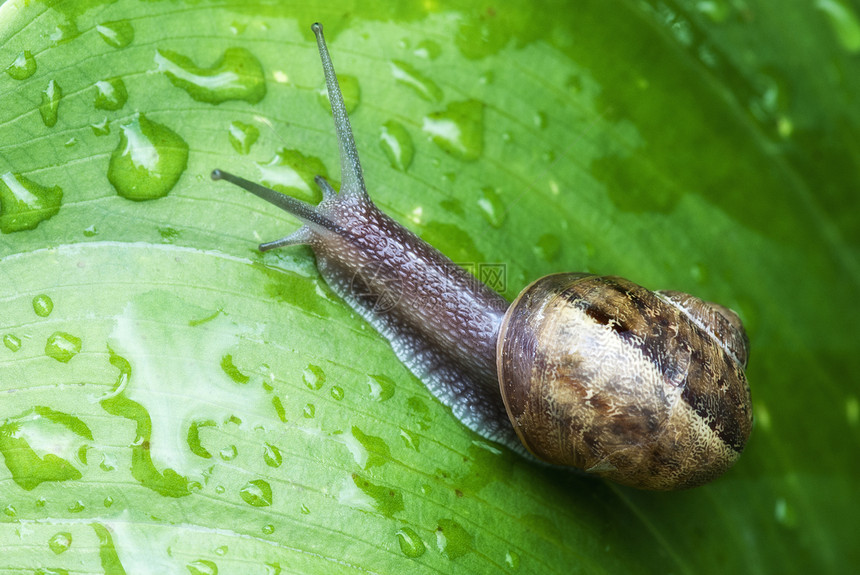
[
  {"x": 548, "y": 247},
  {"x": 232, "y": 371},
  {"x": 428, "y": 49},
  {"x": 91, "y": 232},
  {"x": 419, "y": 411},
  {"x": 108, "y": 501},
  {"x": 118, "y": 33},
  {"x": 229, "y": 453},
  {"x": 512, "y": 559},
  {"x": 716, "y": 10},
  {"x": 10, "y": 511},
  {"x": 64, "y": 32},
  {"x": 257, "y": 493},
  {"x": 381, "y": 387},
  {"x": 540, "y": 120},
  {"x": 314, "y": 377},
  {"x": 220, "y": 489},
  {"x": 452, "y": 540},
  {"x": 410, "y": 440},
  {"x": 397, "y": 144},
  {"x": 411, "y": 544},
  {"x": 844, "y": 21},
  {"x": 49, "y": 571},
  {"x": 50, "y": 105},
  {"x": 12, "y": 342},
  {"x": 62, "y": 346},
  {"x": 492, "y": 207},
  {"x": 23, "y": 67},
  {"x": 237, "y": 75},
  {"x": 243, "y": 136},
  {"x": 309, "y": 411},
  {"x": 268, "y": 529},
  {"x": 279, "y": 409},
  {"x": 101, "y": 128},
  {"x": 24, "y": 204},
  {"x": 365, "y": 495},
  {"x": 76, "y": 506},
  {"x": 350, "y": 89},
  {"x": 305, "y": 510},
  {"x": 458, "y": 130},
  {"x": 148, "y": 161},
  {"x": 202, "y": 567},
  {"x": 784, "y": 513},
  {"x": 60, "y": 542},
  {"x": 852, "y": 411},
  {"x": 762, "y": 416},
  {"x": 337, "y": 392},
  {"x": 272, "y": 455},
  {"x": 193, "y": 438},
  {"x": 110, "y": 94},
  {"x": 108, "y": 462},
  {"x": 222, "y": 550},
  {"x": 373, "y": 452},
  {"x": 409, "y": 76},
  {"x": 291, "y": 172}
]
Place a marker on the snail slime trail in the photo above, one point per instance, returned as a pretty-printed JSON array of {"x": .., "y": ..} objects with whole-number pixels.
[{"x": 646, "y": 388}]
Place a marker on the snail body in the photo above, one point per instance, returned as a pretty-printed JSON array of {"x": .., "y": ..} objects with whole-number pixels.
[{"x": 593, "y": 372}]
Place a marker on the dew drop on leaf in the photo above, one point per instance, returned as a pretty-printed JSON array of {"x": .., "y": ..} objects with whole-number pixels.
[
  {"x": 10, "y": 511},
  {"x": 12, "y": 342},
  {"x": 62, "y": 346},
  {"x": 452, "y": 539},
  {"x": 397, "y": 144},
  {"x": 272, "y": 455},
  {"x": 243, "y": 136},
  {"x": 411, "y": 544},
  {"x": 101, "y": 128},
  {"x": 110, "y": 94},
  {"x": 60, "y": 542},
  {"x": 24, "y": 204},
  {"x": 148, "y": 161},
  {"x": 410, "y": 440},
  {"x": 50, "y": 106},
  {"x": 76, "y": 506},
  {"x": 512, "y": 560},
  {"x": 337, "y": 392},
  {"x": 228, "y": 367},
  {"x": 309, "y": 411},
  {"x": 257, "y": 493},
  {"x": 428, "y": 49},
  {"x": 117, "y": 34},
  {"x": 314, "y": 377},
  {"x": 237, "y": 75},
  {"x": 492, "y": 207},
  {"x": 381, "y": 387},
  {"x": 23, "y": 66},
  {"x": 229, "y": 453},
  {"x": 408, "y": 75},
  {"x": 291, "y": 172},
  {"x": 268, "y": 529},
  {"x": 458, "y": 130},
  {"x": 202, "y": 567}
]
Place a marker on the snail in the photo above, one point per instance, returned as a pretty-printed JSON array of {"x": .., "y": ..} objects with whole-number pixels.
[{"x": 646, "y": 388}]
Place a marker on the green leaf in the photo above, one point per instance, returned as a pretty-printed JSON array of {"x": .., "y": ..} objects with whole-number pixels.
[{"x": 215, "y": 408}]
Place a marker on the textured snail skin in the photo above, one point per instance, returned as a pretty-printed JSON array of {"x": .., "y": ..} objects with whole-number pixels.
[
  {"x": 598, "y": 373},
  {"x": 604, "y": 375}
]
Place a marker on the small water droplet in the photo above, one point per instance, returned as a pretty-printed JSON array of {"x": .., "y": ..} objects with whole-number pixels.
[
  {"x": 148, "y": 161},
  {"x": 12, "y": 342},
  {"x": 314, "y": 377},
  {"x": 101, "y": 128},
  {"x": 381, "y": 387},
  {"x": 71, "y": 142},
  {"x": 23, "y": 66},
  {"x": 257, "y": 493},
  {"x": 492, "y": 207},
  {"x": 512, "y": 559},
  {"x": 458, "y": 130},
  {"x": 548, "y": 247},
  {"x": 309, "y": 411},
  {"x": 60, "y": 542},
  {"x": 237, "y": 75},
  {"x": 844, "y": 21},
  {"x": 268, "y": 529},
  {"x": 220, "y": 489},
  {"x": 64, "y": 32},
  {"x": 350, "y": 89},
  {"x": 62, "y": 346},
  {"x": 305, "y": 510},
  {"x": 452, "y": 540},
  {"x": 397, "y": 144},
  {"x": 50, "y": 106},
  {"x": 784, "y": 513},
  {"x": 279, "y": 409},
  {"x": 410, "y": 440},
  {"x": 108, "y": 501},
  {"x": 411, "y": 544},
  {"x": 428, "y": 49},
  {"x": 24, "y": 204},
  {"x": 202, "y": 567},
  {"x": 337, "y": 392},
  {"x": 76, "y": 506},
  {"x": 243, "y": 136},
  {"x": 10, "y": 511},
  {"x": 91, "y": 232},
  {"x": 291, "y": 172},
  {"x": 540, "y": 120},
  {"x": 229, "y": 453},
  {"x": 108, "y": 462},
  {"x": 110, "y": 94},
  {"x": 221, "y": 550},
  {"x": 117, "y": 34},
  {"x": 408, "y": 75},
  {"x": 272, "y": 455}
]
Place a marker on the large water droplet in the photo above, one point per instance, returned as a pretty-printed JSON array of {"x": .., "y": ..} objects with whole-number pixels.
[
  {"x": 24, "y": 204},
  {"x": 492, "y": 207},
  {"x": 237, "y": 75},
  {"x": 272, "y": 455},
  {"x": 407, "y": 75},
  {"x": 257, "y": 493},
  {"x": 411, "y": 544},
  {"x": 111, "y": 94},
  {"x": 12, "y": 342},
  {"x": 381, "y": 387},
  {"x": 314, "y": 377},
  {"x": 844, "y": 21},
  {"x": 43, "y": 305},
  {"x": 60, "y": 542},
  {"x": 202, "y": 567},
  {"x": 452, "y": 540},
  {"x": 458, "y": 130},
  {"x": 397, "y": 144},
  {"x": 243, "y": 136},
  {"x": 350, "y": 89},
  {"x": 23, "y": 66},
  {"x": 50, "y": 105},
  {"x": 291, "y": 172},
  {"x": 62, "y": 346},
  {"x": 148, "y": 161},
  {"x": 118, "y": 33}
]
